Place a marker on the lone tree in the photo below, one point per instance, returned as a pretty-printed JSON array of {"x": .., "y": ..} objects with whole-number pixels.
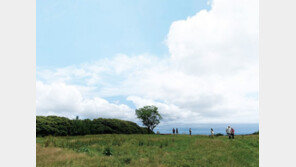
[{"x": 149, "y": 116}]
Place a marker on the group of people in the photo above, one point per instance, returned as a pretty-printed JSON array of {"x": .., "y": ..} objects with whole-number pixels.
[
  {"x": 229, "y": 131},
  {"x": 176, "y": 131}
]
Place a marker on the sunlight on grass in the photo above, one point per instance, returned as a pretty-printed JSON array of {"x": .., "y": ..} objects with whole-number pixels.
[{"x": 147, "y": 150}]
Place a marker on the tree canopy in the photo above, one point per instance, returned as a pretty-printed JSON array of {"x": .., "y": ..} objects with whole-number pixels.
[{"x": 150, "y": 116}]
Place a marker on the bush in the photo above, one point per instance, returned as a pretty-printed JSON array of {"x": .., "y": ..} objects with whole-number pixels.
[
  {"x": 127, "y": 160},
  {"x": 61, "y": 126},
  {"x": 219, "y": 134},
  {"x": 107, "y": 151},
  {"x": 256, "y": 133},
  {"x": 141, "y": 143},
  {"x": 52, "y": 125}
]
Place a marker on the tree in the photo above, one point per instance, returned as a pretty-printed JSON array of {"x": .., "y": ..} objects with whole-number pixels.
[{"x": 149, "y": 116}]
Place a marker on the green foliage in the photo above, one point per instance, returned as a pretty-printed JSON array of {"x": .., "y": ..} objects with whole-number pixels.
[
  {"x": 148, "y": 150},
  {"x": 52, "y": 125},
  {"x": 107, "y": 151},
  {"x": 127, "y": 160},
  {"x": 219, "y": 134},
  {"x": 149, "y": 116},
  {"x": 141, "y": 143},
  {"x": 61, "y": 126},
  {"x": 83, "y": 149},
  {"x": 256, "y": 133}
]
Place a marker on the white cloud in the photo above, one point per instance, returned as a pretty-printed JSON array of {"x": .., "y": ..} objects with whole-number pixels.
[
  {"x": 68, "y": 100},
  {"x": 212, "y": 74},
  {"x": 219, "y": 41}
]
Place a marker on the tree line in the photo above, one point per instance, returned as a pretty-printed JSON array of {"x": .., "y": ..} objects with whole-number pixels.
[{"x": 62, "y": 126}]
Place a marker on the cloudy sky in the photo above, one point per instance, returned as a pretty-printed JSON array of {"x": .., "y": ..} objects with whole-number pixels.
[{"x": 196, "y": 61}]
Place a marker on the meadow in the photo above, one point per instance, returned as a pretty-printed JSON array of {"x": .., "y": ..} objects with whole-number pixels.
[{"x": 112, "y": 150}]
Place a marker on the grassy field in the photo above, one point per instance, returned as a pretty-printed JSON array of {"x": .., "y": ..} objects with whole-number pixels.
[{"x": 147, "y": 150}]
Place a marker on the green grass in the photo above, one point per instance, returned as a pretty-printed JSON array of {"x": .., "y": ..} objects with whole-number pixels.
[{"x": 147, "y": 150}]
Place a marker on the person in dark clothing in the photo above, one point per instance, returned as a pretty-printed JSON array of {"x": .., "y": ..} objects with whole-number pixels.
[
  {"x": 177, "y": 132},
  {"x": 173, "y": 130},
  {"x": 232, "y": 133},
  {"x": 190, "y": 131}
]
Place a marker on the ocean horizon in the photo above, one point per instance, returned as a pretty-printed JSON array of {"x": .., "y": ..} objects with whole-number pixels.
[{"x": 204, "y": 129}]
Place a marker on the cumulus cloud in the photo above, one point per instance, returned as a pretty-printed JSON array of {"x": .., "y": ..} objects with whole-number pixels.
[
  {"x": 212, "y": 74},
  {"x": 219, "y": 41},
  {"x": 68, "y": 100}
]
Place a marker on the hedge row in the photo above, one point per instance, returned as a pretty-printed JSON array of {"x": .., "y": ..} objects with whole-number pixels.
[{"x": 61, "y": 126}]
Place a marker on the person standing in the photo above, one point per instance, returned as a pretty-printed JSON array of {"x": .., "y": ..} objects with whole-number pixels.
[
  {"x": 177, "y": 132},
  {"x": 173, "y": 130},
  {"x": 232, "y": 133},
  {"x": 190, "y": 131},
  {"x": 228, "y": 131},
  {"x": 212, "y": 133}
]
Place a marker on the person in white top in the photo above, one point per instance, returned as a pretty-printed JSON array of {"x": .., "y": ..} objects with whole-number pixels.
[{"x": 228, "y": 131}]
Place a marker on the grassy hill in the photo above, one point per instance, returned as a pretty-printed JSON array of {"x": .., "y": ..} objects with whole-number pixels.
[{"x": 147, "y": 150}]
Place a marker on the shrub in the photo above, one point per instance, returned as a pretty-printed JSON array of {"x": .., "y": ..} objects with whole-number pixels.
[
  {"x": 141, "y": 143},
  {"x": 219, "y": 134},
  {"x": 52, "y": 125},
  {"x": 83, "y": 149},
  {"x": 46, "y": 143},
  {"x": 127, "y": 160},
  {"x": 49, "y": 141},
  {"x": 61, "y": 126},
  {"x": 256, "y": 133},
  {"x": 166, "y": 143},
  {"x": 107, "y": 151}
]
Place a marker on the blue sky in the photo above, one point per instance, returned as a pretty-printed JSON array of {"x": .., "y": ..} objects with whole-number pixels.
[
  {"x": 197, "y": 61},
  {"x": 72, "y": 32}
]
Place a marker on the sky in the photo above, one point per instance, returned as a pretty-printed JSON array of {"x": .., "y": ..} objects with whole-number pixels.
[
  {"x": 197, "y": 61},
  {"x": 72, "y": 32}
]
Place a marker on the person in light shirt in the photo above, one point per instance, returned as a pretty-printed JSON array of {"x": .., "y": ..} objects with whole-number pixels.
[
  {"x": 228, "y": 131},
  {"x": 212, "y": 133}
]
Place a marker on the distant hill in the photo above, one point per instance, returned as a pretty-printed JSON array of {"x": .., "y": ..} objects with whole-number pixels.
[{"x": 62, "y": 126}]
